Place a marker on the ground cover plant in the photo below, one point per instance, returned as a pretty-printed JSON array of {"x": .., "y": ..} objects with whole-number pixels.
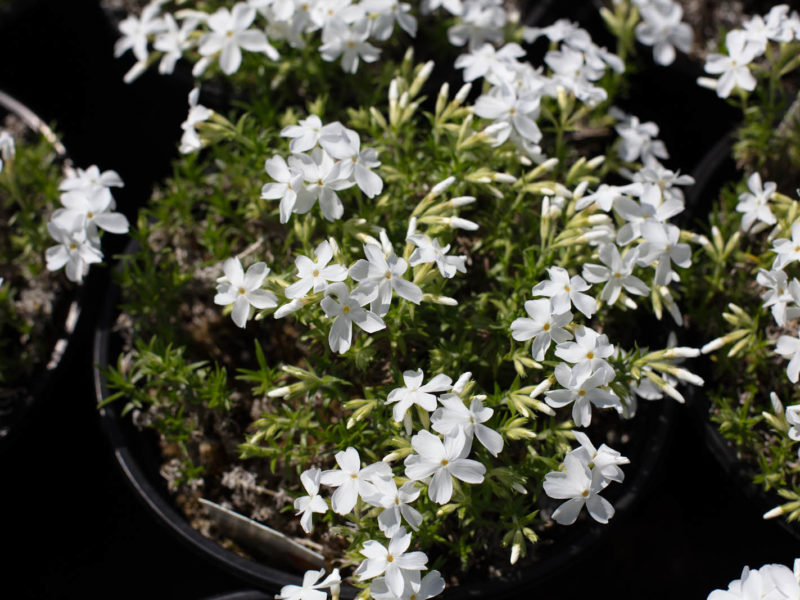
[
  {"x": 41, "y": 202},
  {"x": 745, "y": 272},
  {"x": 392, "y": 314}
]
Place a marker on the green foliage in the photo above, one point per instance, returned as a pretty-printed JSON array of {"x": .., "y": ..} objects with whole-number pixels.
[
  {"x": 302, "y": 403},
  {"x": 29, "y": 293}
]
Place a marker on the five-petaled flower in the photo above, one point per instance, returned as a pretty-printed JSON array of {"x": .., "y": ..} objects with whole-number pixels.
[
  {"x": 443, "y": 460},
  {"x": 393, "y": 562},
  {"x": 243, "y": 290}
]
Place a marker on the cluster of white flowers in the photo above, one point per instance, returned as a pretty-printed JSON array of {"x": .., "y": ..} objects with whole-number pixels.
[
  {"x": 437, "y": 459},
  {"x": 781, "y": 295},
  {"x": 587, "y": 471},
  {"x": 770, "y": 582},
  {"x": 344, "y": 28},
  {"x": 745, "y": 46},
  {"x": 325, "y": 159},
  {"x": 513, "y": 99},
  {"x": 477, "y": 21},
  {"x": 645, "y": 241},
  {"x": 87, "y": 205},
  {"x": 661, "y": 27}
]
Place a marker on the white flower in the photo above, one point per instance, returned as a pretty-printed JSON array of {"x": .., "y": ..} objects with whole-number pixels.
[
  {"x": 428, "y": 250},
  {"x": 562, "y": 30},
  {"x": 543, "y": 326},
  {"x": 789, "y": 347},
  {"x": 93, "y": 210},
  {"x": 589, "y": 346},
  {"x": 190, "y": 140},
  {"x": 603, "y": 459},
  {"x": 443, "y": 461},
  {"x": 73, "y": 250},
  {"x": 313, "y": 503},
  {"x": 788, "y": 251},
  {"x": 661, "y": 28},
  {"x": 309, "y": 132},
  {"x": 454, "y": 415},
  {"x": 416, "y": 393},
  {"x": 315, "y": 274},
  {"x": 385, "y": 273},
  {"x": 230, "y": 34},
  {"x": 395, "y": 503},
  {"x": 617, "y": 273},
  {"x": 384, "y": 13},
  {"x": 661, "y": 246},
  {"x": 755, "y": 204},
  {"x": 733, "y": 68},
  {"x": 289, "y": 187},
  {"x": 90, "y": 181},
  {"x": 345, "y": 308},
  {"x": 496, "y": 66},
  {"x": 173, "y": 42},
  {"x": 363, "y": 162},
  {"x": 480, "y": 21},
  {"x": 503, "y": 106},
  {"x": 606, "y": 195},
  {"x": 135, "y": 31},
  {"x": 582, "y": 487},
  {"x": 243, "y": 289},
  {"x": 564, "y": 291},
  {"x": 349, "y": 42},
  {"x": 770, "y": 582},
  {"x": 351, "y": 480},
  {"x": 323, "y": 178},
  {"x": 793, "y": 418},
  {"x": 583, "y": 388},
  {"x": 780, "y": 293},
  {"x": 431, "y": 585},
  {"x": 637, "y": 141},
  {"x": 310, "y": 589},
  {"x": 455, "y": 7},
  {"x": 393, "y": 562}
]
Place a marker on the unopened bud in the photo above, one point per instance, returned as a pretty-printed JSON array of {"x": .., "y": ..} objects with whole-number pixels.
[
  {"x": 462, "y": 93},
  {"x": 442, "y": 186},
  {"x": 541, "y": 388},
  {"x": 461, "y": 201}
]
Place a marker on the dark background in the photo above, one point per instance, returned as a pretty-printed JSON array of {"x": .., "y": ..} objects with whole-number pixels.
[{"x": 71, "y": 526}]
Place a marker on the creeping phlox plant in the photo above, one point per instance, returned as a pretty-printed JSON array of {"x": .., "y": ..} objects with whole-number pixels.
[
  {"x": 777, "y": 582},
  {"x": 747, "y": 272},
  {"x": 756, "y": 70},
  {"x": 427, "y": 303},
  {"x": 31, "y": 182},
  {"x": 217, "y": 33}
]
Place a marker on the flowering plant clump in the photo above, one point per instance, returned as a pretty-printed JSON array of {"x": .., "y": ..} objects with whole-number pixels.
[
  {"x": 747, "y": 271},
  {"x": 33, "y": 300},
  {"x": 399, "y": 309}
]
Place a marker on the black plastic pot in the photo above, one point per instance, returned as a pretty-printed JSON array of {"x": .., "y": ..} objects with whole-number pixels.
[
  {"x": 17, "y": 408},
  {"x": 736, "y": 470},
  {"x": 139, "y": 458}
]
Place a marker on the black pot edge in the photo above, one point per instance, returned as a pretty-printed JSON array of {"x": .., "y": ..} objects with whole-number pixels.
[{"x": 737, "y": 472}]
